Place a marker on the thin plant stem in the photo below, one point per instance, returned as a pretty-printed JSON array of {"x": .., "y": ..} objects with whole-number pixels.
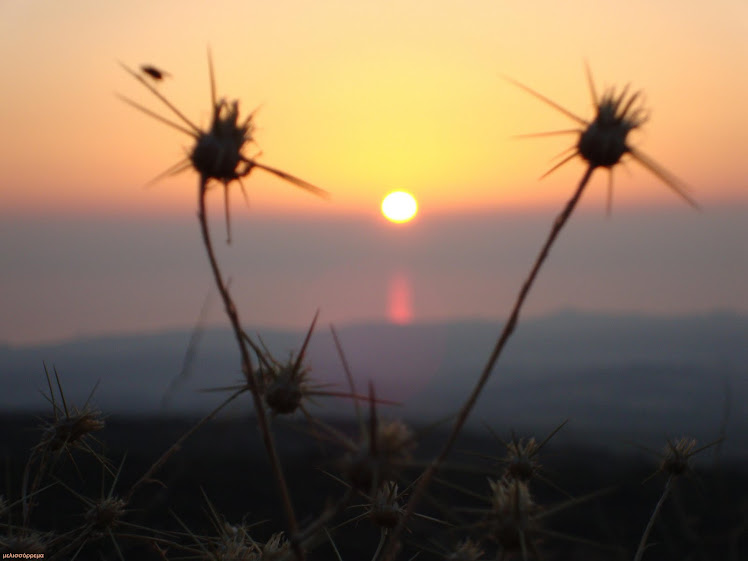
[
  {"x": 262, "y": 419},
  {"x": 382, "y": 536},
  {"x": 645, "y": 536},
  {"x": 506, "y": 332}
]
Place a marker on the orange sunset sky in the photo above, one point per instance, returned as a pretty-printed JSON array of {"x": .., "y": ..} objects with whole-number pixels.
[{"x": 360, "y": 98}]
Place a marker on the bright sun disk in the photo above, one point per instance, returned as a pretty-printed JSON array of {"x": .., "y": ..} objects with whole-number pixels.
[{"x": 399, "y": 206}]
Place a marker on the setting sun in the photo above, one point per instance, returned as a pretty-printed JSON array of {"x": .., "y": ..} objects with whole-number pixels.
[{"x": 399, "y": 207}]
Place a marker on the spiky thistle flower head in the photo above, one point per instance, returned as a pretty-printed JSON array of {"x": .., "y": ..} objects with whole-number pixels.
[
  {"x": 218, "y": 152},
  {"x": 284, "y": 387},
  {"x": 677, "y": 455},
  {"x": 385, "y": 510},
  {"x": 603, "y": 141},
  {"x": 521, "y": 459},
  {"x": 105, "y": 514},
  {"x": 395, "y": 439},
  {"x": 512, "y": 520},
  {"x": 466, "y": 550},
  {"x": 70, "y": 427},
  {"x": 70, "y": 431},
  {"x": 26, "y": 541},
  {"x": 234, "y": 543},
  {"x": 379, "y": 456},
  {"x": 285, "y": 384},
  {"x": 275, "y": 547}
]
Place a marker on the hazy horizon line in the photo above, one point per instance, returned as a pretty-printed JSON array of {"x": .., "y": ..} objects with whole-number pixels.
[{"x": 287, "y": 328}]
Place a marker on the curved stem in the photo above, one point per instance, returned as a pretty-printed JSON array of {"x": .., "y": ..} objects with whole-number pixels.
[
  {"x": 650, "y": 524},
  {"x": 506, "y": 332},
  {"x": 382, "y": 536},
  {"x": 262, "y": 419}
]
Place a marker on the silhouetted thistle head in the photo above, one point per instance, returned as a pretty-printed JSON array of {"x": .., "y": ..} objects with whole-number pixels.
[
  {"x": 275, "y": 547},
  {"x": 379, "y": 456},
  {"x": 675, "y": 458},
  {"x": 26, "y": 541},
  {"x": 677, "y": 455},
  {"x": 466, "y": 550},
  {"x": 385, "y": 510},
  {"x": 285, "y": 387},
  {"x": 521, "y": 459},
  {"x": 218, "y": 152},
  {"x": 512, "y": 522},
  {"x": 70, "y": 431},
  {"x": 105, "y": 515},
  {"x": 284, "y": 384},
  {"x": 234, "y": 542},
  {"x": 70, "y": 427},
  {"x": 603, "y": 142}
]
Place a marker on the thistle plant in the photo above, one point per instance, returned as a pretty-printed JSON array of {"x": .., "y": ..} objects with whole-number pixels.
[{"x": 218, "y": 155}]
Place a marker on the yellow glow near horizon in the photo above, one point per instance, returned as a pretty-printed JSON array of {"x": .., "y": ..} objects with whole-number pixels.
[
  {"x": 357, "y": 96},
  {"x": 399, "y": 207}
]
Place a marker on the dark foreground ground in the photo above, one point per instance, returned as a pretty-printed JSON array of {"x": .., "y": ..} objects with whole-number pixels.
[{"x": 705, "y": 518}]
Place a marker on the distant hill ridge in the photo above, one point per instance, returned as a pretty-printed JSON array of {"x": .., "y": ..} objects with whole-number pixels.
[{"x": 607, "y": 373}]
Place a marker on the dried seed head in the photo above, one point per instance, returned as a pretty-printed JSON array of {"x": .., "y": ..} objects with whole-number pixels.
[
  {"x": 395, "y": 440},
  {"x": 284, "y": 388},
  {"x": 106, "y": 514},
  {"x": 372, "y": 463},
  {"x": 235, "y": 544},
  {"x": 385, "y": 510},
  {"x": 677, "y": 455},
  {"x": 603, "y": 142},
  {"x": 218, "y": 153},
  {"x": 26, "y": 542},
  {"x": 70, "y": 431},
  {"x": 521, "y": 462},
  {"x": 285, "y": 383},
  {"x": 513, "y": 524},
  {"x": 275, "y": 547},
  {"x": 465, "y": 551}
]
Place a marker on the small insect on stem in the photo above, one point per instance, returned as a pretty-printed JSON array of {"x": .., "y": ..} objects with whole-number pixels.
[{"x": 154, "y": 72}]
